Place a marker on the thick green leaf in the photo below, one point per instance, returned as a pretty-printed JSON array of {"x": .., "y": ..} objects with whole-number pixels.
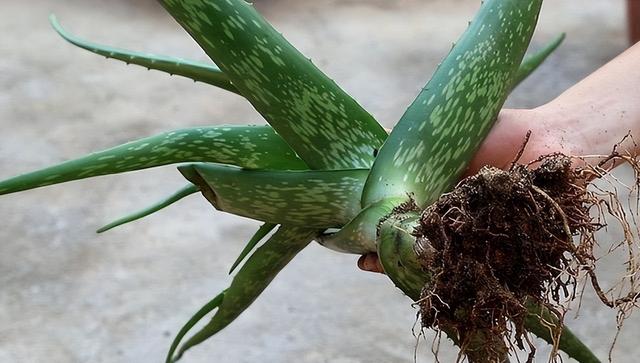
[
  {"x": 532, "y": 62},
  {"x": 207, "y": 73},
  {"x": 253, "y": 147},
  {"x": 252, "y": 278},
  {"x": 180, "y": 194},
  {"x": 322, "y": 123},
  {"x": 359, "y": 235},
  {"x": 257, "y": 237},
  {"x": 199, "y": 315},
  {"x": 439, "y": 133},
  {"x": 320, "y": 199}
]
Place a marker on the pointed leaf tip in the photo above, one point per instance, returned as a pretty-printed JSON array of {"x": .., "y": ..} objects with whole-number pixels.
[
  {"x": 532, "y": 62},
  {"x": 206, "y": 309},
  {"x": 180, "y": 194},
  {"x": 252, "y": 278},
  {"x": 196, "y": 71},
  {"x": 257, "y": 237}
]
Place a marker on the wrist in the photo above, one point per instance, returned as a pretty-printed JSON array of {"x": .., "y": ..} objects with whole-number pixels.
[
  {"x": 550, "y": 133},
  {"x": 558, "y": 130},
  {"x": 590, "y": 128}
]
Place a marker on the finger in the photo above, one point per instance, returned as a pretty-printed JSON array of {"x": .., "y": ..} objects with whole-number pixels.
[{"x": 371, "y": 263}]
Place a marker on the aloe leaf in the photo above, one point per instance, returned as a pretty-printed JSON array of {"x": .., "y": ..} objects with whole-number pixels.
[
  {"x": 318, "y": 199},
  {"x": 180, "y": 194},
  {"x": 439, "y": 133},
  {"x": 199, "y": 315},
  {"x": 321, "y": 122},
  {"x": 207, "y": 73},
  {"x": 254, "y": 147},
  {"x": 359, "y": 235},
  {"x": 257, "y": 237},
  {"x": 532, "y": 62},
  {"x": 252, "y": 278}
]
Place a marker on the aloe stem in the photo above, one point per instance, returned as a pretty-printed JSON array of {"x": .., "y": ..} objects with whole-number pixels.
[{"x": 359, "y": 235}]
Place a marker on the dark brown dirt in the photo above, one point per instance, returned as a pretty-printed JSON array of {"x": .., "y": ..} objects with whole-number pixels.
[{"x": 500, "y": 239}]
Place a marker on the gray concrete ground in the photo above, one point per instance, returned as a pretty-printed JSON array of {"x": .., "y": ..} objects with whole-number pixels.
[{"x": 69, "y": 295}]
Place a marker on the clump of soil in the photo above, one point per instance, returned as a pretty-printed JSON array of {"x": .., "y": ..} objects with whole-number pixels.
[{"x": 502, "y": 240}]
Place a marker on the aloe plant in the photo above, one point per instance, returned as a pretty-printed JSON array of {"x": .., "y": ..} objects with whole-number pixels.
[{"x": 323, "y": 168}]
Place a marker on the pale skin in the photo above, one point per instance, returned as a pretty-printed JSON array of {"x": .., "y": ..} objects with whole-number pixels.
[{"x": 587, "y": 119}]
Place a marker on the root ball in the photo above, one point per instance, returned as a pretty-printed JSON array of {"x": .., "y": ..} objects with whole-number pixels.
[{"x": 498, "y": 241}]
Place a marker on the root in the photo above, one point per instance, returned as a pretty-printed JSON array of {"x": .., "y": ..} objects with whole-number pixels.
[{"x": 503, "y": 239}]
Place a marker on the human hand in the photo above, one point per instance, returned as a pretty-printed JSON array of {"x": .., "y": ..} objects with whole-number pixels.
[{"x": 588, "y": 119}]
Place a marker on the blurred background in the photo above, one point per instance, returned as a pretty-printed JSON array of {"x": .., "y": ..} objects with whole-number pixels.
[{"x": 69, "y": 295}]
